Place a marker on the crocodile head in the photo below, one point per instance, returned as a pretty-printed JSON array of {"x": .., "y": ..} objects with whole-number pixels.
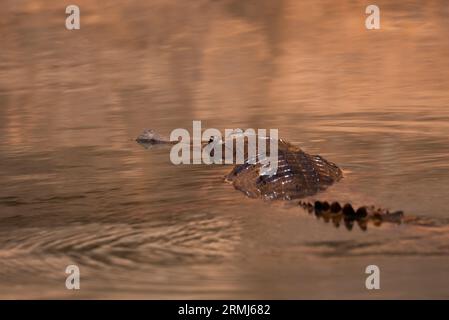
[{"x": 149, "y": 136}]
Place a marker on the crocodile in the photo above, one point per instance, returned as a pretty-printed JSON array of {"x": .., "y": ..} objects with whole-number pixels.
[{"x": 299, "y": 175}]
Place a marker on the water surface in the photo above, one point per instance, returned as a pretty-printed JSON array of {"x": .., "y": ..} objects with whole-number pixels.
[{"x": 76, "y": 188}]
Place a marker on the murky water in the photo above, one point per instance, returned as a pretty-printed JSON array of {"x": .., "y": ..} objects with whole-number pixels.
[{"x": 76, "y": 189}]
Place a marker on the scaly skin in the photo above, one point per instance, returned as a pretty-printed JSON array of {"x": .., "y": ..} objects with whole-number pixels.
[{"x": 298, "y": 175}]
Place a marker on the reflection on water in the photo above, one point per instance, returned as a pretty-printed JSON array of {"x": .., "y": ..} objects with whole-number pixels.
[{"x": 75, "y": 187}]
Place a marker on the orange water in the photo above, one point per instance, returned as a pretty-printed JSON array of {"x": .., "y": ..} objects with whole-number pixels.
[{"x": 76, "y": 189}]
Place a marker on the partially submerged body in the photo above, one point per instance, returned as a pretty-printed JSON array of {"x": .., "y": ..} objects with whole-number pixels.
[{"x": 298, "y": 175}]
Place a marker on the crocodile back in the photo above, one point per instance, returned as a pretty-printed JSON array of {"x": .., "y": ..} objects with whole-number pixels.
[{"x": 299, "y": 174}]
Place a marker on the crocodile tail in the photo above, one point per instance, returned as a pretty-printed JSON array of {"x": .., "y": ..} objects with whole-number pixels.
[{"x": 346, "y": 213}]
